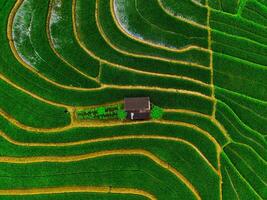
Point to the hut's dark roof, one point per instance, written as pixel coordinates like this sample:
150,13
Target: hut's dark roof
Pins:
136,103
138,116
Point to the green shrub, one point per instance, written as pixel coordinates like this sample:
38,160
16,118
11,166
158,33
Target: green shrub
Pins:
101,111
156,112
122,114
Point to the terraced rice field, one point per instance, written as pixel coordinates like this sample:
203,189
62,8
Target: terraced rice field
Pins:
203,62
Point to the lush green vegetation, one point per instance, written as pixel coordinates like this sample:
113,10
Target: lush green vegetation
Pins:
64,65
113,75
113,112
31,111
102,113
34,47
60,26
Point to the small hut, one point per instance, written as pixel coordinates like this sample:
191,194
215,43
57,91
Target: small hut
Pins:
137,108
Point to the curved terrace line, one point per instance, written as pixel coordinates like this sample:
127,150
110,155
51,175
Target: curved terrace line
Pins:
236,15
71,110
240,132
105,61
194,127
247,165
212,120
255,12
86,124
10,21
80,125
182,18
51,44
32,94
68,107
181,91
102,60
249,39
20,60
197,2
249,110
251,149
242,106
64,159
240,122
171,90
89,124
158,74
239,37
238,58
107,40
241,176
121,28
239,125
140,71
107,139
231,183
76,189
145,19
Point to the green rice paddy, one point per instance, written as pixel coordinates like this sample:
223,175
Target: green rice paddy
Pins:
66,64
